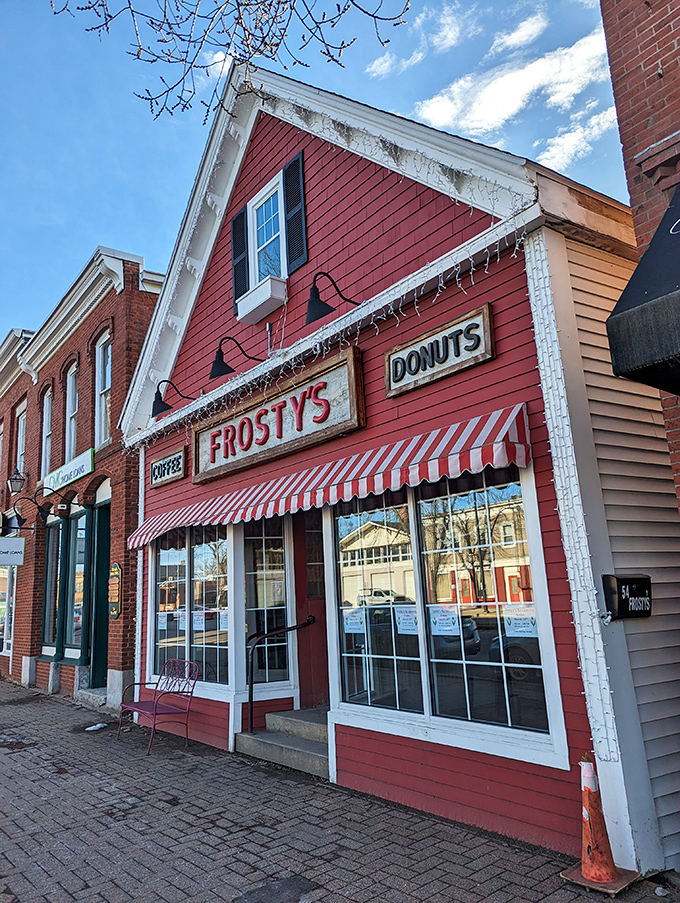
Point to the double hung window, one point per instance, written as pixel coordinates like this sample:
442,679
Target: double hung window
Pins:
269,242
449,630
71,412
46,450
102,422
20,437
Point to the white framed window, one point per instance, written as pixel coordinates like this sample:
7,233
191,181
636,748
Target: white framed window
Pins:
267,252
455,641
102,423
268,243
46,450
21,437
71,412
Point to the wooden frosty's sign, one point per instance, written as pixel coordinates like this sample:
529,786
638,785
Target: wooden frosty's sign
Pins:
326,400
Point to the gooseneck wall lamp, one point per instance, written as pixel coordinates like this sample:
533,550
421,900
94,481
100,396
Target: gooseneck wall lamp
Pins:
220,367
20,521
160,406
316,308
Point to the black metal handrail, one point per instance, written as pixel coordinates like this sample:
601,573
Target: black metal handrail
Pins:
259,638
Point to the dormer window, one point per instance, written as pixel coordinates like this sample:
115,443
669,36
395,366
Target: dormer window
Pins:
269,242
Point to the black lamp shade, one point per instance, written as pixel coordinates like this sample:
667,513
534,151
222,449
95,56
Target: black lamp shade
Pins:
316,308
220,367
159,406
16,481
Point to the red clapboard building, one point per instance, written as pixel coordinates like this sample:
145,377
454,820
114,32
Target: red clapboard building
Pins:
379,436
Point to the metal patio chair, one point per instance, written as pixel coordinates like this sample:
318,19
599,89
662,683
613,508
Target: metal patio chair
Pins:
171,699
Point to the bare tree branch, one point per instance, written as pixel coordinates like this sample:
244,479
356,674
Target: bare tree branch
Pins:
200,37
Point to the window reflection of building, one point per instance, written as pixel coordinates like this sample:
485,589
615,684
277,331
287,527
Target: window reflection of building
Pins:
476,602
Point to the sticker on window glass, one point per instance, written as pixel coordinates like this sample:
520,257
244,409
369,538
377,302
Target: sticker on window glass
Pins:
182,620
444,620
224,619
407,619
199,620
520,620
354,620
277,590
162,620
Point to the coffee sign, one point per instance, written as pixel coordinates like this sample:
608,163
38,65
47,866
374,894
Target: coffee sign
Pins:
168,468
325,401
455,346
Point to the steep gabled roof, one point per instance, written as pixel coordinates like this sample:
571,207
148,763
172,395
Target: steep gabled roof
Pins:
489,180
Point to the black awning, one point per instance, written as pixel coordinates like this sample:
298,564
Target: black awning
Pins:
644,327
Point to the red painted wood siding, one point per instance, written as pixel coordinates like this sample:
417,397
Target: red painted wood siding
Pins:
518,801
369,228
366,226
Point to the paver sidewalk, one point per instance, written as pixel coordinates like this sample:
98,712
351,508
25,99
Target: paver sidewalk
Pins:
83,817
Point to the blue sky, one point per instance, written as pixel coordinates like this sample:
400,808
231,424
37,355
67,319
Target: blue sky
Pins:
85,164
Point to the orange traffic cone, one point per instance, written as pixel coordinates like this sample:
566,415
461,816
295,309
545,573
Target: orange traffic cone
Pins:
596,869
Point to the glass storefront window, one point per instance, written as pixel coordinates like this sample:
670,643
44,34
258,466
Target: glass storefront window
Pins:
379,644
76,576
210,604
52,571
266,603
483,654
192,606
171,576
474,595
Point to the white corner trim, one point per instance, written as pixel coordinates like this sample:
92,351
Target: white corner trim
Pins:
139,593
571,514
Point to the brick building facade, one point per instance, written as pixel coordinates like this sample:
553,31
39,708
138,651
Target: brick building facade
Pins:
642,41
62,389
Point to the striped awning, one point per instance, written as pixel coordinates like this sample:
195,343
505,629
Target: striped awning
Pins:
495,439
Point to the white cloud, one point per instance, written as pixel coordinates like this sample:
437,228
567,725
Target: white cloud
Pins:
481,104
576,141
216,66
525,33
382,66
441,30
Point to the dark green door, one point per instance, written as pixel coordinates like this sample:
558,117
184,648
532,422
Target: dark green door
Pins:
100,596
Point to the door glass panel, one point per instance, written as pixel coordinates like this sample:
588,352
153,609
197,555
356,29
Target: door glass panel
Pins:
266,604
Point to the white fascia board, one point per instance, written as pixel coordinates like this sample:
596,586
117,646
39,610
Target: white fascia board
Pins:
485,178
464,171
103,271
475,252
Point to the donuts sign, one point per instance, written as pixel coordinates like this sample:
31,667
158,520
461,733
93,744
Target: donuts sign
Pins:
326,401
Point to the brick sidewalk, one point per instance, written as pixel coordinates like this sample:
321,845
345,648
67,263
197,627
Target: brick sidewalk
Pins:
86,818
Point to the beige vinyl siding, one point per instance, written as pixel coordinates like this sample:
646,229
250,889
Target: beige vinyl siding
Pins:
643,521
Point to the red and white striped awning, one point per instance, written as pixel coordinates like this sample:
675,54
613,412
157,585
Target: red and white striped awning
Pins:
495,439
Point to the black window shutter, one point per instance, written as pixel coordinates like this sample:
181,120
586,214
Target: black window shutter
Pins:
239,254
294,202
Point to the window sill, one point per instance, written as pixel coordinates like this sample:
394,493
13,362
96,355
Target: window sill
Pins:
103,445
506,742
262,300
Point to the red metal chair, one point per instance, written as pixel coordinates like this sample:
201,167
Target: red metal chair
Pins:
171,700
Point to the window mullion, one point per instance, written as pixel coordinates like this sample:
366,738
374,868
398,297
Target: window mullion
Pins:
414,522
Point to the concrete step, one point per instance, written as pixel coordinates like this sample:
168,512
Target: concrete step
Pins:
91,698
299,753
312,724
